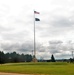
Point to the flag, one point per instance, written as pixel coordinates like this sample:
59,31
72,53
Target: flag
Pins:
36,12
37,19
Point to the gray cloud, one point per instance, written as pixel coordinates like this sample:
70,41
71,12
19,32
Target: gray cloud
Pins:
5,29
61,49
55,42
62,22
22,47
28,46
57,47
58,26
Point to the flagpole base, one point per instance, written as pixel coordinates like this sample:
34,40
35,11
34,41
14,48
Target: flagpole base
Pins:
34,59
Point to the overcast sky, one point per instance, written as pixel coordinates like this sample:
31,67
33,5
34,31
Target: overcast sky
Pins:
54,31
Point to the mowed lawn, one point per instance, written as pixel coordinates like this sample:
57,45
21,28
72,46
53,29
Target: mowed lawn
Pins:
45,68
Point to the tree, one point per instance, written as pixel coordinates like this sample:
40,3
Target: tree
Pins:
14,57
52,58
7,57
2,58
28,58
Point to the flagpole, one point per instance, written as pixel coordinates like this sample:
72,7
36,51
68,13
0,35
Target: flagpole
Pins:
34,39
35,19
34,57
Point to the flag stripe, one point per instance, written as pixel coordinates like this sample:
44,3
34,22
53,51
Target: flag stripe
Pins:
36,12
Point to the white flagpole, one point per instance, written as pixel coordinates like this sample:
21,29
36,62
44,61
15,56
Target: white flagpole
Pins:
34,39
34,58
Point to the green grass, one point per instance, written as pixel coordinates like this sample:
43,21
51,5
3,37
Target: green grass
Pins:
49,68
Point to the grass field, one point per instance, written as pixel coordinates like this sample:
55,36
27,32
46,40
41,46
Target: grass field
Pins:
49,68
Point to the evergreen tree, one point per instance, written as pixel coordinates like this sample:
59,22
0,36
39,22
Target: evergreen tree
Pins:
14,57
2,58
52,58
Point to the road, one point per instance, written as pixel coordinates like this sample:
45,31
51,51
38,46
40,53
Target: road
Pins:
1,73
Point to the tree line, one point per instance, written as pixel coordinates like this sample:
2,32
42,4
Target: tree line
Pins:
14,57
